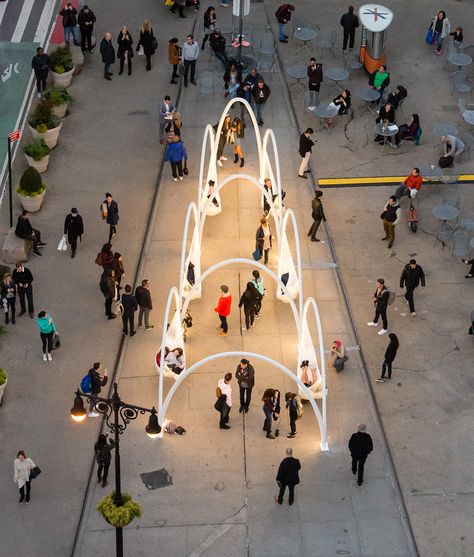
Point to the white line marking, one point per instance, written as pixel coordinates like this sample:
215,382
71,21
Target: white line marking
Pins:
3,9
43,24
22,21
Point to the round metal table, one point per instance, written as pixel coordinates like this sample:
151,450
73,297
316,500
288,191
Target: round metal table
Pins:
431,172
386,133
324,112
444,129
368,95
298,72
444,213
471,242
460,59
468,116
306,36
336,75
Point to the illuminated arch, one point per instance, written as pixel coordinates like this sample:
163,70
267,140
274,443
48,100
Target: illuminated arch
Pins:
193,255
286,262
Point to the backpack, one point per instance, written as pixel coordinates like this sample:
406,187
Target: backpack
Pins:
391,297
446,162
86,385
299,406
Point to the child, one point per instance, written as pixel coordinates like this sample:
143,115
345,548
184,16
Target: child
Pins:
457,38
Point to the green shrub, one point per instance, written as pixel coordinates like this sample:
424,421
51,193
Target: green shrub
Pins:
3,376
58,96
61,60
119,516
43,115
30,183
37,149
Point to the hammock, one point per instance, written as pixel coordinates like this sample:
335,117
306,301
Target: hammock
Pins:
306,352
193,259
174,339
286,266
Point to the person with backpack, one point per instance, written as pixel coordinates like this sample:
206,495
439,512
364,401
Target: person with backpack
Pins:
381,300
390,216
92,384
411,277
288,476
130,306
259,284
283,16
110,213
390,355
102,449
107,287
271,409
291,403
245,375
224,392
360,446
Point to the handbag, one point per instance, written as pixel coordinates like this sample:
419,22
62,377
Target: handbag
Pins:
118,309
257,254
185,168
56,342
429,36
140,51
219,404
154,43
35,472
383,215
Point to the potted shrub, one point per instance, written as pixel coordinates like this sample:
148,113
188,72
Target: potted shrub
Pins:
60,99
62,66
3,383
119,516
37,154
43,123
31,190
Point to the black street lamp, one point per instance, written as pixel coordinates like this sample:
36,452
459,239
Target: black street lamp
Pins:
117,415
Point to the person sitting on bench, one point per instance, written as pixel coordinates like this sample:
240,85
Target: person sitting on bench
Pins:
25,231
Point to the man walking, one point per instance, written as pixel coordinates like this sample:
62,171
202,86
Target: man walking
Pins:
411,277
283,15
306,144
288,476
380,299
260,94
166,110
74,229
23,279
107,287
390,217
107,52
360,446
317,212
190,54
40,65
98,380
180,4
110,213
25,231
69,14
143,296
245,375
217,42
130,305
349,22
86,22
226,390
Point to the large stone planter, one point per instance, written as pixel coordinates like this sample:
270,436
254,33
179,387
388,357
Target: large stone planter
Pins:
32,204
60,110
41,166
63,79
2,390
50,137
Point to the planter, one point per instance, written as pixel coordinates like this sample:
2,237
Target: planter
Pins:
2,389
50,137
63,79
60,110
41,165
32,204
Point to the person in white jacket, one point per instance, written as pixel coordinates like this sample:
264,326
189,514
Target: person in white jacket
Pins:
22,467
441,29
226,389
190,53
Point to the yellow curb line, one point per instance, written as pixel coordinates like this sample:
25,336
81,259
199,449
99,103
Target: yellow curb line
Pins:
377,180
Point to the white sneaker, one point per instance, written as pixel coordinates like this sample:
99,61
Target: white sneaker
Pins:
45,359
372,324
223,158
38,95
382,332
50,358
244,330
175,179
93,414
413,313
219,163
180,177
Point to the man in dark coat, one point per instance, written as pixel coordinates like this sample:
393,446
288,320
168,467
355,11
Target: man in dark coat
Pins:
317,212
306,144
25,231
23,279
107,51
110,214
260,94
380,298
74,228
349,22
69,14
411,277
288,476
98,380
107,287
245,375
40,65
130,306
217,42
360,445
283,15
86,22
143,296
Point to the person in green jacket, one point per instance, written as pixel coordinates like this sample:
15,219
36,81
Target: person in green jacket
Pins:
47,332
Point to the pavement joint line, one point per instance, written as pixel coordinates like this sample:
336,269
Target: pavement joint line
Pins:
404,517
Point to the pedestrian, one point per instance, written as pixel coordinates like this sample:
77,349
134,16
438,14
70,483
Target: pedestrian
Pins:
86,20
288,476
263,239
110,213
306,144
147,42
411,277
69,14
97,381
130,306
125,50
470,262
441,28
226,125
175,153
260,94
411,185
226,390
74,229
190,52
283,15
245,375
292,407
234,137
107,52
360,446
22,467
105,257
390,216
223,310
180,4
8,294
25,231
210,19
174,58
165,113
119,272
23,278
143,296
47,333
218,44
249,300
317,213
107,287
390,355
338,356
103,449
259,284
315,75
349,22
380,299
271,409
40,65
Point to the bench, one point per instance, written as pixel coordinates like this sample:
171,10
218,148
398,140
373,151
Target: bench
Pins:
15,250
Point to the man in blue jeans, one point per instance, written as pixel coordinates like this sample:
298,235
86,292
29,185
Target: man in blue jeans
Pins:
107,52
69,14
260,94
283,15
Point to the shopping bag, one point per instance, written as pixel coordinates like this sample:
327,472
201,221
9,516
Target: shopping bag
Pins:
257,255
62,246
429,37
140,51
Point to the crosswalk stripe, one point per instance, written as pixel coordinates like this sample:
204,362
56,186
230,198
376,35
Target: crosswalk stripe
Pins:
3,9
44,21
22,21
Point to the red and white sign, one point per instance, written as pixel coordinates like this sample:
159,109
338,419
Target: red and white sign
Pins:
14,136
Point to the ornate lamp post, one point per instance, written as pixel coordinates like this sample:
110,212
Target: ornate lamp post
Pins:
118,415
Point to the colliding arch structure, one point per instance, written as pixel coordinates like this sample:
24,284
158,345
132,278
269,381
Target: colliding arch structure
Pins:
310,367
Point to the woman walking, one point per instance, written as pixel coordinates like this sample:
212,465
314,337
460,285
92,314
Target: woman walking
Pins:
103,457
22,467
264,239
175,153
390,355
259,284
174,57
234,135
47,332
125,50
249,300
148,42
8,294
210,19
119,272
441,29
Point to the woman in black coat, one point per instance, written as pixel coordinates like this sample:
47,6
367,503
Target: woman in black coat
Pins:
249,300
390,355
147,42
387,112
103,457
263,238
125,50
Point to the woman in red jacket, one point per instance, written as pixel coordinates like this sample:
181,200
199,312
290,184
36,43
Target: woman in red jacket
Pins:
223,310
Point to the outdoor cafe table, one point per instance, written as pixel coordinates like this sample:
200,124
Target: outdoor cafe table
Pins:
460,59
368,95
336,75
324,112
444,129
298,72
444,213
387,132
304,35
